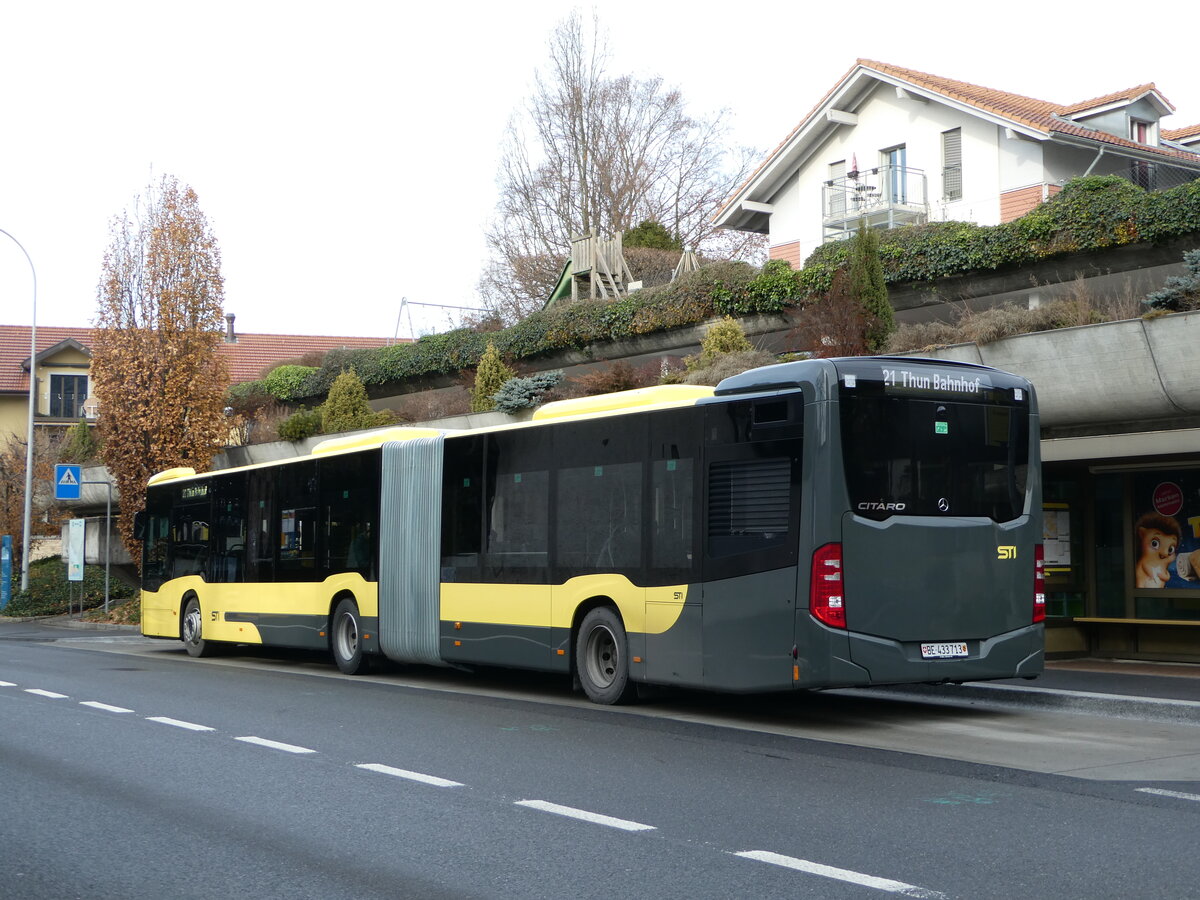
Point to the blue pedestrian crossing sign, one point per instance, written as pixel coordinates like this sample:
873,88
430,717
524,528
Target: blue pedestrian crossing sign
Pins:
68,482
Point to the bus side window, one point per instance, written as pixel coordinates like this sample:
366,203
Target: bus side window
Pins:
462,509
517,505
348,506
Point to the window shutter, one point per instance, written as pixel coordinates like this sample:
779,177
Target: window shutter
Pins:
952,164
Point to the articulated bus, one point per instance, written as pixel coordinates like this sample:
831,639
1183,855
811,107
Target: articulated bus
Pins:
812,524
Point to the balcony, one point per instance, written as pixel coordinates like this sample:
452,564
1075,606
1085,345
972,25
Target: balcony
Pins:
885,197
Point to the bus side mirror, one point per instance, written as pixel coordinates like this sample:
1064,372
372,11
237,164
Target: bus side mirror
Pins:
139,525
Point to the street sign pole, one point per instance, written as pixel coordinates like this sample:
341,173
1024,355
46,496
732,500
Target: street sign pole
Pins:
5,571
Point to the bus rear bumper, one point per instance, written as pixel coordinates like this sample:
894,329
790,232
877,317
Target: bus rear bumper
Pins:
1014,654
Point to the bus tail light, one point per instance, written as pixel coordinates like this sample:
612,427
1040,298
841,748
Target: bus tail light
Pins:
1039,583
826,600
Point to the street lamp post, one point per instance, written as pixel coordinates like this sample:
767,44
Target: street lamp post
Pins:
28,520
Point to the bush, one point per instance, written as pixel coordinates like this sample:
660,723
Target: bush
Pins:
303,423
618,376
1181,292
724,337
346,408
80,444
49,591
489,378
287,382
517,394
727,365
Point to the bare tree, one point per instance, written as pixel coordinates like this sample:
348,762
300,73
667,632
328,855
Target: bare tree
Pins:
155,367
593,152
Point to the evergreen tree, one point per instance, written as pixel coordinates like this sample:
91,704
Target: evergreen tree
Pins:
489,378
346,408
653,236
867,287
80,444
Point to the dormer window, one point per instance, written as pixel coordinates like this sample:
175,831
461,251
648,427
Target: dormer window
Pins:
1141,132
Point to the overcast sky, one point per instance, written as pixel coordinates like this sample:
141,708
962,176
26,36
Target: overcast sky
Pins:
345,154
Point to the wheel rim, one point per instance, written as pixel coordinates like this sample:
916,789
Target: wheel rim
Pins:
602,657
346,636
191,625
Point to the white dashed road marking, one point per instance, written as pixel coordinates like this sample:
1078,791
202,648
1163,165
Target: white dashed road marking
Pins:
812,868
275,745
1176,794
96,704
51,694
7,684
411,776
178,724
583,814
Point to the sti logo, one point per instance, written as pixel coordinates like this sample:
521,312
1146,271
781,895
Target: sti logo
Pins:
1006,552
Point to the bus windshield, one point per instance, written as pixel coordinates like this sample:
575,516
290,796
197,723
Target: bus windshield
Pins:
922,455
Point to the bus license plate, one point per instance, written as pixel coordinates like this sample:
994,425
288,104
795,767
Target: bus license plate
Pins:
943,651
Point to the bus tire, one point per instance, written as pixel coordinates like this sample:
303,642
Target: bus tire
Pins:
345,639
192,631
602,657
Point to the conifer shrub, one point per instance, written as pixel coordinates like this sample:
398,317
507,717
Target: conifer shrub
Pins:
519,393
489,378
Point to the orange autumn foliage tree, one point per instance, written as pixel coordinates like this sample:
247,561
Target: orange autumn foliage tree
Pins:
155,367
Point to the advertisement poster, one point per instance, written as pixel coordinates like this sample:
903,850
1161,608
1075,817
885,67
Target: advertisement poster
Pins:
1056,538
1166,530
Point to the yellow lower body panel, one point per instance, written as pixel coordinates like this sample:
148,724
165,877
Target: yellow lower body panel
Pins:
554,606
221,605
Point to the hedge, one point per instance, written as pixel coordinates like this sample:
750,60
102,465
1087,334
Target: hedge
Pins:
1088,214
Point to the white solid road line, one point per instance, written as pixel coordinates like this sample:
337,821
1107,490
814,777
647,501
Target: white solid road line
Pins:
274,745
178,724
96,704
583,814
1176,794
411,776
812,868
51,694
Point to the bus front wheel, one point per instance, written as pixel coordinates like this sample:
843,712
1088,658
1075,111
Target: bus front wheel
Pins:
192,631
601,657
346,638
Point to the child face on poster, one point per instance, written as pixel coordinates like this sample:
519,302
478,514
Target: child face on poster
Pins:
1157,541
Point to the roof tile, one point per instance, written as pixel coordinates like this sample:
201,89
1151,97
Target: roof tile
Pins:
247,357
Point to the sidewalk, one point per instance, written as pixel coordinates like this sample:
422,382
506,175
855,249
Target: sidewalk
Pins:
1121,688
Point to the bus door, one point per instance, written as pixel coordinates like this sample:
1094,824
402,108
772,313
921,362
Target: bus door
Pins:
937,546
752,484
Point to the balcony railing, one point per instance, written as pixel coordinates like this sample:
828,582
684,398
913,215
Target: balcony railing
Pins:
885,197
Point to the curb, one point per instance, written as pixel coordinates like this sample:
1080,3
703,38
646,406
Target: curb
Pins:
67,622
1121,706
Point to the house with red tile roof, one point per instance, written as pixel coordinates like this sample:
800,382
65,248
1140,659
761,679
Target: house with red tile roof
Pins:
63,361
896,146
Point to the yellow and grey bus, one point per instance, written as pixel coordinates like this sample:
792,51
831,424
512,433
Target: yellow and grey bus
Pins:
810,524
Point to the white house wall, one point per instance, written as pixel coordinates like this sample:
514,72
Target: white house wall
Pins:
1022,163
991,164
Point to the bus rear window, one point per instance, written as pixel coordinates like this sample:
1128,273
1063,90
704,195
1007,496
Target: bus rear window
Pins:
914,457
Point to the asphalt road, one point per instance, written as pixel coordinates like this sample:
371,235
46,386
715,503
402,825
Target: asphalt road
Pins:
132,770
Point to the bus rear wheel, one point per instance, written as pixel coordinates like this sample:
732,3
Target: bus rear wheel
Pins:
192,631
346,639
601,657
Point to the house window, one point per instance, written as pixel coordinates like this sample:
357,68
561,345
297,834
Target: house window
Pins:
952,164
895,174
67,393
1141,173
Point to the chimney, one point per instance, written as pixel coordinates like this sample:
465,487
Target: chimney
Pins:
230,337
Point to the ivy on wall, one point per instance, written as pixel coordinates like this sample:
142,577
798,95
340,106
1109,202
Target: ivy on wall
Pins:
1088,214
